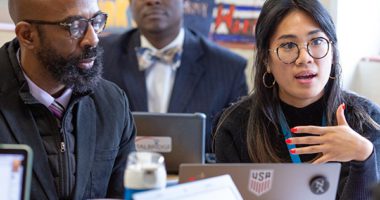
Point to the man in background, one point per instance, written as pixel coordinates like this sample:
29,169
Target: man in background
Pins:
53,99
164,67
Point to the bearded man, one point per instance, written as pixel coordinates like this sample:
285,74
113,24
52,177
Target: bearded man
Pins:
52,98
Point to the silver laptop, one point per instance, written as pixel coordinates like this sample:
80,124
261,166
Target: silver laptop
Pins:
15,170
272,181
179,137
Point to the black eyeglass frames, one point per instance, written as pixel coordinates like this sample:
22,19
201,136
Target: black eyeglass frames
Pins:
78,26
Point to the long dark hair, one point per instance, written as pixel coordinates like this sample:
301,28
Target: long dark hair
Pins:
265,101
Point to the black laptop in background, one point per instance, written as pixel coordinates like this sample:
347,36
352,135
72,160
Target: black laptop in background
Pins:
179,137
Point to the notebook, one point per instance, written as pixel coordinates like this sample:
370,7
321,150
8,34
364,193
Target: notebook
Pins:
179,137
272,181
15,170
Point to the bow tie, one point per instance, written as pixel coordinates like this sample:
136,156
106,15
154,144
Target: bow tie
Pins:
146,58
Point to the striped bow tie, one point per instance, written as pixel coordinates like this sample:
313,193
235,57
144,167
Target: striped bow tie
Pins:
147,58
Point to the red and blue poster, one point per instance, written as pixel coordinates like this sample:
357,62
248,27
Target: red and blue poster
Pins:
234,23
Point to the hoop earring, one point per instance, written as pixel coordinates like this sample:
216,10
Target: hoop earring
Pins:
264,82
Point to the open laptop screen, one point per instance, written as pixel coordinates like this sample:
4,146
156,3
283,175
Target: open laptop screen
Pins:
15,164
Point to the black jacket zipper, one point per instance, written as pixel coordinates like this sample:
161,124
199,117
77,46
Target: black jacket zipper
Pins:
65,182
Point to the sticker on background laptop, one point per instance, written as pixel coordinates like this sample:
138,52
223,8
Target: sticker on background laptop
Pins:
155,144
260,181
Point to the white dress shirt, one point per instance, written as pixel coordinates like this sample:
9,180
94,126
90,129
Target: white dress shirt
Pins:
160,77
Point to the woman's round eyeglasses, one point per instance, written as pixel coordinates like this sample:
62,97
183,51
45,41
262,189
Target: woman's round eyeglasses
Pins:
289,52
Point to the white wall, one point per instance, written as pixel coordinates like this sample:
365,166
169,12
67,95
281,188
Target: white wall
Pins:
6,25
331,6
358,29
6,36
367,79
6,33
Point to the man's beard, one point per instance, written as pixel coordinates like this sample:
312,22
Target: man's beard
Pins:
67,70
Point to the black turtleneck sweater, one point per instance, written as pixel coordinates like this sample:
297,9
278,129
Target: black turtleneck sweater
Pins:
309,115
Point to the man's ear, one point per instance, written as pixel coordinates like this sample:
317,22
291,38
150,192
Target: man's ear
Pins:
26,34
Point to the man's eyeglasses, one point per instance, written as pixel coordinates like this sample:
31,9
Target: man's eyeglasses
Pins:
78,26
289,52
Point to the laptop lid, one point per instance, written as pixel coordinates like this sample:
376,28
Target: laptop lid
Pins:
272,181
179,137
15,170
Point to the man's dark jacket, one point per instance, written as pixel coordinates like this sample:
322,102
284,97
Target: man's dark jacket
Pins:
100,121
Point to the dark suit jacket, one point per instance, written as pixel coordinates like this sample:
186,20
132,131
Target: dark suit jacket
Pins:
208,79
103,127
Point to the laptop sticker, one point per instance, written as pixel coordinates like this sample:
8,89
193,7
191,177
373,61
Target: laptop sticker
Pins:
260,181
155,144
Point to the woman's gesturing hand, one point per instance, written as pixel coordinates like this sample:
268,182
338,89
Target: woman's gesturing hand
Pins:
336,143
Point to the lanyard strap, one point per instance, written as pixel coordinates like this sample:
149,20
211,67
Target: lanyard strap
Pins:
287,134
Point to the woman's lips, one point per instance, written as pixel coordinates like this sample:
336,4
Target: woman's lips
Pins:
305,77
310,76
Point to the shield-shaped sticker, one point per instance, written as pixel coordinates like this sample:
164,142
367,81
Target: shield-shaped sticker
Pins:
260,181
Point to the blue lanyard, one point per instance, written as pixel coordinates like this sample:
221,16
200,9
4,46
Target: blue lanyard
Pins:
286,131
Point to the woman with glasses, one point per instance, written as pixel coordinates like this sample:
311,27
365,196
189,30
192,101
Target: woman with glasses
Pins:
298,111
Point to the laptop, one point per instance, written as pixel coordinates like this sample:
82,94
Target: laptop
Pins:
272,181
179,137
15,170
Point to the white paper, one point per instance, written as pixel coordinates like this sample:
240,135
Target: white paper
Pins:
220,187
